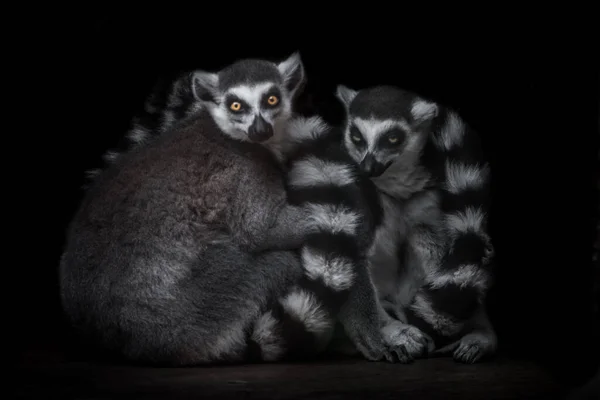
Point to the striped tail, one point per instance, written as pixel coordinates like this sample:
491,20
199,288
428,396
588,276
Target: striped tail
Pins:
455,289
325,180
167,104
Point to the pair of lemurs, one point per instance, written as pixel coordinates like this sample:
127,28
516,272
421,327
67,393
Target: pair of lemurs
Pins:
234,230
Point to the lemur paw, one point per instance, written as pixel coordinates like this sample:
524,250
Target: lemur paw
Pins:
472,348
373,348
408,342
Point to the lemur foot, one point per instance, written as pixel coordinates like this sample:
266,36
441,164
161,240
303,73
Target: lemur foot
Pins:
472,348
374,347
407,341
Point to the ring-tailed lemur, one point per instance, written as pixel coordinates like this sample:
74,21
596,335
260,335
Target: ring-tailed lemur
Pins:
426,160
168,103
165,108
183,251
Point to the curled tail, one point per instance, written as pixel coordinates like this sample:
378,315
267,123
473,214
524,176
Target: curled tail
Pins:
297,326
168,103
454,290
322,178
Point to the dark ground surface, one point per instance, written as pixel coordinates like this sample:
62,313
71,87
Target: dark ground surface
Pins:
51,375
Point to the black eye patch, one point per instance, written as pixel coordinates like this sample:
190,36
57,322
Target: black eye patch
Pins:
356,137
236,105
392,138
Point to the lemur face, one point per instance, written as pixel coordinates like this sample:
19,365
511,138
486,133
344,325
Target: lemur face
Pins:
251,99
384,126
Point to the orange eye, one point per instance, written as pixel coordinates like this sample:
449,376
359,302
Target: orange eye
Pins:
272,100
235,106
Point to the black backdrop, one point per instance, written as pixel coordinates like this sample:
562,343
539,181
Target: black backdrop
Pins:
529,95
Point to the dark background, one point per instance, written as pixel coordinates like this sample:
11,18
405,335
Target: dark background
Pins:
531,92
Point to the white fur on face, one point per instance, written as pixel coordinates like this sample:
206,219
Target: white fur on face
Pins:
252,95
371,130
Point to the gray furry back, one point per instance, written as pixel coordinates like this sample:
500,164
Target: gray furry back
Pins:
250,102
156,237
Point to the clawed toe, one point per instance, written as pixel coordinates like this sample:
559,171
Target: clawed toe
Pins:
398,354
426,344
403,356
468,354
407,342
390,357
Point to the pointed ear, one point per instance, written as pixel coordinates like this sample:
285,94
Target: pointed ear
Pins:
345,95
204,85
292,70
423,112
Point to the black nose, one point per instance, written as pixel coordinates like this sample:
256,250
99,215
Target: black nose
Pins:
260,130
372,167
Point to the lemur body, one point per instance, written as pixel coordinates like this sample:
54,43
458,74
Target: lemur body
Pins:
409,181
184,252
427,161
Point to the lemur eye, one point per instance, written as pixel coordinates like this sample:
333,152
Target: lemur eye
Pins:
272,100
235,106
355,138
395,136
355,135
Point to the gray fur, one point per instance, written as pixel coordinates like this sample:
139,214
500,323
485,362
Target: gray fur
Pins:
250,82
414,219
212,91
479,341
199,90
173,193
156,238
396,288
